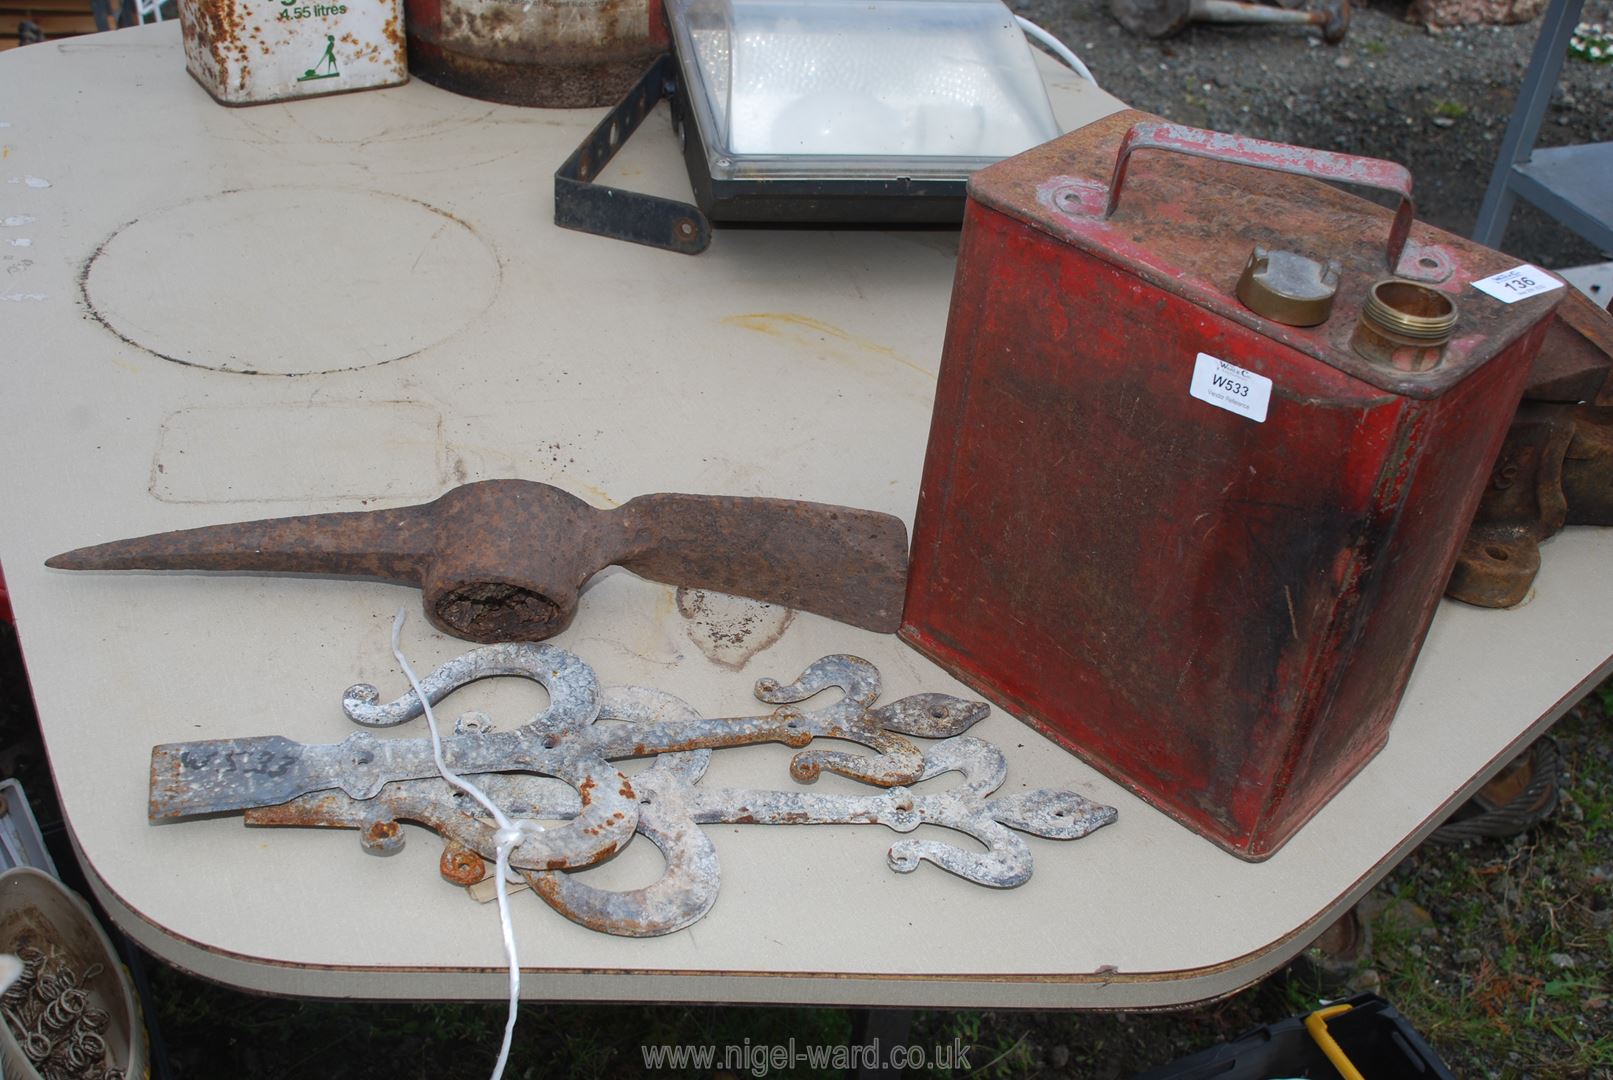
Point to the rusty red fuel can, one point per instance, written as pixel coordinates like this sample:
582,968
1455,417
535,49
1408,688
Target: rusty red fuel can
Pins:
1207,437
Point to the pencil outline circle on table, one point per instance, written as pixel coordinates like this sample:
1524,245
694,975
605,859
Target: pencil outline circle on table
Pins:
254,303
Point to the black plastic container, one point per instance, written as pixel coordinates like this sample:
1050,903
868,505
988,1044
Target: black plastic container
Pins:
1377,1040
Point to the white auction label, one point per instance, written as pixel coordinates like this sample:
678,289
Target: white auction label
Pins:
1230,387
1516,284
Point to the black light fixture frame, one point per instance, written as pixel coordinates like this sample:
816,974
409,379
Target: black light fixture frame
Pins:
581,204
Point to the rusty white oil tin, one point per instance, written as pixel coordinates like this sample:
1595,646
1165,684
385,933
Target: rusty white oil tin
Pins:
245,52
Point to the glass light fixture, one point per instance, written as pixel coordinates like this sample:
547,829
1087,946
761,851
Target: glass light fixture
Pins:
826,111
815,89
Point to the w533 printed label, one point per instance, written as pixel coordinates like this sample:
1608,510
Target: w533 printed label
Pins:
1229,387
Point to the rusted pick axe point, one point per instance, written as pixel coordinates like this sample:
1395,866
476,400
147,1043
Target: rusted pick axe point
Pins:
505,560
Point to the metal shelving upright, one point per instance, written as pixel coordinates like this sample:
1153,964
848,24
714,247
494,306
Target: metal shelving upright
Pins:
1574,184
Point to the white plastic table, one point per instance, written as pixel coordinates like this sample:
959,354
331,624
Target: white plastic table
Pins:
212,314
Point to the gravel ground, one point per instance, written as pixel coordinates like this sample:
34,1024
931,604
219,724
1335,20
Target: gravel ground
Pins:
1438,102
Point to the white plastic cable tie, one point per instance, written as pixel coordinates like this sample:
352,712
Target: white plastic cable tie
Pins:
506,839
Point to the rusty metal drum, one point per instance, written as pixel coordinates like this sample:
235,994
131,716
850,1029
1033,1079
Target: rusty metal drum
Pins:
1196,542
563,54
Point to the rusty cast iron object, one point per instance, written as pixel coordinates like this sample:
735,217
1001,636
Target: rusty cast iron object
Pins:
1556,466
536,773
505,560
1576,361
1555,469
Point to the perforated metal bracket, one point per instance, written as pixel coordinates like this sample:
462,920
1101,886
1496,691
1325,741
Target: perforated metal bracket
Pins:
581,204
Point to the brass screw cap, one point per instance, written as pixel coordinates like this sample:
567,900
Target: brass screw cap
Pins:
1288,288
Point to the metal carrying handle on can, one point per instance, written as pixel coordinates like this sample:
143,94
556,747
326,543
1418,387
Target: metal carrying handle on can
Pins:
1280,157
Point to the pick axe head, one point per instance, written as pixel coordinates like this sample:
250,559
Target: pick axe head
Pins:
505,560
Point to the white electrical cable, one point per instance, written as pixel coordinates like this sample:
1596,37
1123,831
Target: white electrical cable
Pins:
1057,48
506,839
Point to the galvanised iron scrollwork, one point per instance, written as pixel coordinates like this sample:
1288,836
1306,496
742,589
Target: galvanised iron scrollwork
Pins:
557,767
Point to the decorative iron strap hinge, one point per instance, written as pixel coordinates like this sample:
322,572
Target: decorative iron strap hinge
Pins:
558,768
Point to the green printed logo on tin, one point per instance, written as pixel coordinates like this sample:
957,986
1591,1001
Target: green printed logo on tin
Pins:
326,68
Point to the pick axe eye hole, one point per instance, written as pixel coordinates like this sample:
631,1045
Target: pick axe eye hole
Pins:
499,611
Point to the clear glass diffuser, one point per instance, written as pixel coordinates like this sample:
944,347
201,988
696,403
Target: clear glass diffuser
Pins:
858,89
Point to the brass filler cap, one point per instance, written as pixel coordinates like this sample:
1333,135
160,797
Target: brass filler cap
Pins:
1288,288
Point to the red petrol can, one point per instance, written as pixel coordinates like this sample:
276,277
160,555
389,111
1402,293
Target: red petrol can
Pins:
1191,541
